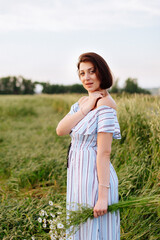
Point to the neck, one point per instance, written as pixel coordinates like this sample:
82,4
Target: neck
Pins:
103,91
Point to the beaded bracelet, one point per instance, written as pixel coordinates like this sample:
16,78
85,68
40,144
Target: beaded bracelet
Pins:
107,186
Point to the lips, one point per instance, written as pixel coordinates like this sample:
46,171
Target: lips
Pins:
89,84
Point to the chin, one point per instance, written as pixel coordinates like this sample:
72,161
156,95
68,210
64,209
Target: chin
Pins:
92,89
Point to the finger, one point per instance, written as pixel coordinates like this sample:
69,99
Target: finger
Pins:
95,214
103,213
99,213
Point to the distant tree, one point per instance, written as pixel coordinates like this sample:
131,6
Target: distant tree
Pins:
9,85
20,85
131,86
115,88
144,91
77,88
5,85
27,87
16,85
55,88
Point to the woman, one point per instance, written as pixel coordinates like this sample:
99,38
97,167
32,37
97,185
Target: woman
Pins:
91,123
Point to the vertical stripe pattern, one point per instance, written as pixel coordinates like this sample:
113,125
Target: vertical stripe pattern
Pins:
82,179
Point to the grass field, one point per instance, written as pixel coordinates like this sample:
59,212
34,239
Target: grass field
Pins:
33,162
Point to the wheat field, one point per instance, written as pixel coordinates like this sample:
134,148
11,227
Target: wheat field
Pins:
33,162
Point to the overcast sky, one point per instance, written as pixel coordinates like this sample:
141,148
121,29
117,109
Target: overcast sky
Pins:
42,39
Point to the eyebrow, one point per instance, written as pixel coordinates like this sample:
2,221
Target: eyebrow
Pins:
87,69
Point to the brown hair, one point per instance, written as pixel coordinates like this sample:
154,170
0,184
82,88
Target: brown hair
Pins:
101,67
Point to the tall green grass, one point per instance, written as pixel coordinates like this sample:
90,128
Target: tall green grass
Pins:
33,161
137,160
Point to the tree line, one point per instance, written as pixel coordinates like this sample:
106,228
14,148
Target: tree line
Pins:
20,85
16,85
130,86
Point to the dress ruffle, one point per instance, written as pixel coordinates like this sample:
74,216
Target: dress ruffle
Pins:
108,122
74,108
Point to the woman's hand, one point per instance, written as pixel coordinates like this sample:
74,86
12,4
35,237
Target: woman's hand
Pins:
90,102
100,208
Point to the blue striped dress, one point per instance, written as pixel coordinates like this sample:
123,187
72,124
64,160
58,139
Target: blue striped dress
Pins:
82,179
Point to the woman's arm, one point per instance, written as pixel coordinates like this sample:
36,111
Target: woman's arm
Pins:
104,141
69,121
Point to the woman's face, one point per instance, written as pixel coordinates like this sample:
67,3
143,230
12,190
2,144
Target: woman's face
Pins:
88,77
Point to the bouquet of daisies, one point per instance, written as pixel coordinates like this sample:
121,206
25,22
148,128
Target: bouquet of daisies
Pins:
58,220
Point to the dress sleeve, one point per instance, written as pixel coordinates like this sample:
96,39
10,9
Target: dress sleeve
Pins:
108,122
74,108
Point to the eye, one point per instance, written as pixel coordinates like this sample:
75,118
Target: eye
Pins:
81,73
92,71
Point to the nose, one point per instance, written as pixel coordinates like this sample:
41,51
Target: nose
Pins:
87,77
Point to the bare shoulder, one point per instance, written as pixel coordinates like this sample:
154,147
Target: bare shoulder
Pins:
108,101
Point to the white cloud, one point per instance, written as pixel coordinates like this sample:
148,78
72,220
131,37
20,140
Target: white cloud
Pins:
60,15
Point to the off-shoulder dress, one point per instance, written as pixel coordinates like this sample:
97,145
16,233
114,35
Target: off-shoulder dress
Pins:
82,179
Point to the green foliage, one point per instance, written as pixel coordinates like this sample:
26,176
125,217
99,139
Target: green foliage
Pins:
16,111
136,160
115,88
130,86
20,85
33,161
76,88
19,218
61,106
144,205
55,88
16,85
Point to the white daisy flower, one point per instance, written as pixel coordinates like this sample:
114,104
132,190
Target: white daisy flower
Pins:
59,212
33,238
52,237
46,213
41,213
44,220
51,226
50,221
39,220
60,225
50,203
50,232
52,215
44,225
70,238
